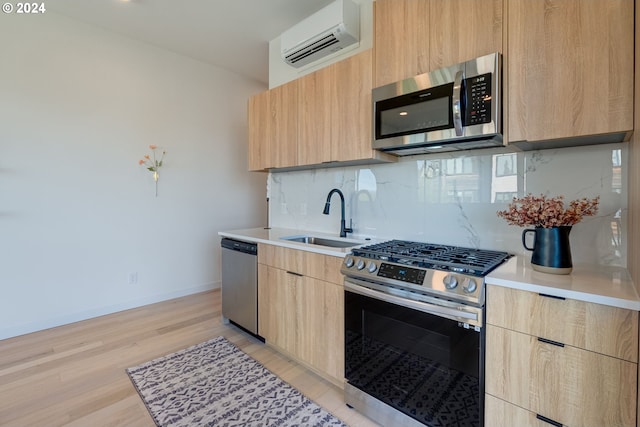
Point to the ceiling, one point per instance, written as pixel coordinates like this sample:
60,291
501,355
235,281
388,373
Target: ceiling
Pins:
232,34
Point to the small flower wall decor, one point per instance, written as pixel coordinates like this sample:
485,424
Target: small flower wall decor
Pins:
547,212
152,164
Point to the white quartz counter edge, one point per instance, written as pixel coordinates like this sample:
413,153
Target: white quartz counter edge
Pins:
273,236
610,286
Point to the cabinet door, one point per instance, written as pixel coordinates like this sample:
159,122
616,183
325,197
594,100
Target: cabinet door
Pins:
322,327
258,118
401,34
571,386
283,150
460,30
279,307
314,120
351,108
416,36
570,68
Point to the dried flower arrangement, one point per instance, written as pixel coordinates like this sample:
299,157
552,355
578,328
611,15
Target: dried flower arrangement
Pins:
540,211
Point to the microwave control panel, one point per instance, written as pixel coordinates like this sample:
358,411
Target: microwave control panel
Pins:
478,97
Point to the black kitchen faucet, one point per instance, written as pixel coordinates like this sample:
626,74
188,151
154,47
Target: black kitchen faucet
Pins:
343,229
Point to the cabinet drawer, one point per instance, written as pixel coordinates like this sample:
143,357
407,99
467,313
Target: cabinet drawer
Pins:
311,264
595,327
566,384
498,413
323,267
281,257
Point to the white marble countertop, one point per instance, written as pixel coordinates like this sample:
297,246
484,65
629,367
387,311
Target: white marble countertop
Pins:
273,236
591,283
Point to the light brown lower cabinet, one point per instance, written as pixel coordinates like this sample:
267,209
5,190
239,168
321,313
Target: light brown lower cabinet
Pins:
277,302
551,360
322,333
300,312
599,328
568,385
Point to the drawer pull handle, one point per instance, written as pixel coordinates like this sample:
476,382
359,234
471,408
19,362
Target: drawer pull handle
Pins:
546,341
552,296
295,274
548,420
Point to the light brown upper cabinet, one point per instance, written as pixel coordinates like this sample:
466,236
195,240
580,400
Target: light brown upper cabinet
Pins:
334,115
351,111
284,125
460,30
401,39
273,126
259,124
323,118
569,70
314,118
416,36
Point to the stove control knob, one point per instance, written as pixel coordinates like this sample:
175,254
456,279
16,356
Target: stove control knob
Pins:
372,267
360,264
469,285
450,281
348,262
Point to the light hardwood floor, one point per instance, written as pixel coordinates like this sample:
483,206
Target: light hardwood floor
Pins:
74,375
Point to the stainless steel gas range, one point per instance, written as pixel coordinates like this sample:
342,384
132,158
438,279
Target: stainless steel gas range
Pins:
414,332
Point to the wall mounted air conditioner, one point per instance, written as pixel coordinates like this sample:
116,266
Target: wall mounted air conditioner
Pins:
327,31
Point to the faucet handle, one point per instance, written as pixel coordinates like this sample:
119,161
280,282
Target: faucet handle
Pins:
350,228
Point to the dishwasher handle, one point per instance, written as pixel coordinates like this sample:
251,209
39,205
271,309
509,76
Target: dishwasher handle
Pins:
239,246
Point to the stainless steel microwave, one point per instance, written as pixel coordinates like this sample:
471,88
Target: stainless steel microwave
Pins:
453,108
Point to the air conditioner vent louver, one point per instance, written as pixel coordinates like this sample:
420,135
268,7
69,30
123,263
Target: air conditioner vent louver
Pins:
326,31
306,51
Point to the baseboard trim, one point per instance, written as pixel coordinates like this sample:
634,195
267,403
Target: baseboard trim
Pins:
102,311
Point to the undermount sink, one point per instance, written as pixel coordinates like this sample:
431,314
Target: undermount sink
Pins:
321,241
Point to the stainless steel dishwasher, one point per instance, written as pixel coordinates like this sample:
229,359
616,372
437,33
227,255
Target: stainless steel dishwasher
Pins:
240,283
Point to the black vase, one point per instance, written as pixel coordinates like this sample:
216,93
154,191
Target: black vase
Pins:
551,249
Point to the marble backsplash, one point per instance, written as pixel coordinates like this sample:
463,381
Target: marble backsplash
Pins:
452,198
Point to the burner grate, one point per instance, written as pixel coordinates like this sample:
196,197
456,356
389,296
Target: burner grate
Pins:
442,257
479,260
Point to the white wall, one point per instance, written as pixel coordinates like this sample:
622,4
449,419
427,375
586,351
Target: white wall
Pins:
78,108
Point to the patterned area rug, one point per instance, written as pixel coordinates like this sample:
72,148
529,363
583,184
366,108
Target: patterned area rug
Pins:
217,384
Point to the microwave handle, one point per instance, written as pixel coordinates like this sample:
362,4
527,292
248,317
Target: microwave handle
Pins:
456,102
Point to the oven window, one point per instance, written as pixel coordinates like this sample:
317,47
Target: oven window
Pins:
416,112
420,117
423,365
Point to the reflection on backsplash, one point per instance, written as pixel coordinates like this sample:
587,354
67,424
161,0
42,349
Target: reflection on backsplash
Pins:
452,198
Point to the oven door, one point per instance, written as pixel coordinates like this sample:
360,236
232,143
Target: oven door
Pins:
411,359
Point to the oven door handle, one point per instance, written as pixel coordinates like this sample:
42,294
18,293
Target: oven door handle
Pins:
456,102
448,312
